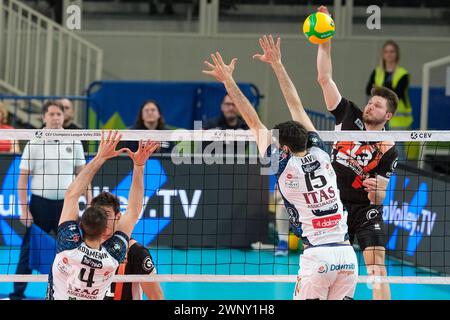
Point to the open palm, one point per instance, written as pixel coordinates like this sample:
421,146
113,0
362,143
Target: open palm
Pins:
272,52
107,148
143,152
219,69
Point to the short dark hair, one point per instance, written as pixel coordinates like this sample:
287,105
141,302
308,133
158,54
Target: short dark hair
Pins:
389,95
52,103
107,199
94,222
292,134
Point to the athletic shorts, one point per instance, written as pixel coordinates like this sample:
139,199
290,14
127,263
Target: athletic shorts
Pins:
328,272
365,222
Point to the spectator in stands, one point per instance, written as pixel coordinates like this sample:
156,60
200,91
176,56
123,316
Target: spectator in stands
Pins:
6,145
68,119
68,114
391,75
229,119
149,118
51,164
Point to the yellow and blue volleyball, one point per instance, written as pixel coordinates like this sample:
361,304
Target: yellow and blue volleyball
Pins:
318,27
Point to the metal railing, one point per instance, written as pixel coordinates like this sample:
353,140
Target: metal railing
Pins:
40,57
26,111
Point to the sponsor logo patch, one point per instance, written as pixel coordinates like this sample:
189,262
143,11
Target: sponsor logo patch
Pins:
147,265
326,222
292,184
93,263
308,168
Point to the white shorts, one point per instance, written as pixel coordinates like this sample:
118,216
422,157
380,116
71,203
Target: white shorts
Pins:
327,273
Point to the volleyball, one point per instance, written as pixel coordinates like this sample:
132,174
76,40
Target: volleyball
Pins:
293,242
318,28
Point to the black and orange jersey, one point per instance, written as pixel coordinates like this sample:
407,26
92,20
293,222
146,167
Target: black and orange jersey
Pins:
138,262
355,161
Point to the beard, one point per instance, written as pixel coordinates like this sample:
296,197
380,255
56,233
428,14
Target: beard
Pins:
231,117
371,120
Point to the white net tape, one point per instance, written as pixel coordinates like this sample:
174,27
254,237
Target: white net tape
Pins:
217,135
235,278
226,135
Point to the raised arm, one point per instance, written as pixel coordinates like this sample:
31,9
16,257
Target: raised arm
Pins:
107,150
325,72
136,194
224,73
88,191
272,56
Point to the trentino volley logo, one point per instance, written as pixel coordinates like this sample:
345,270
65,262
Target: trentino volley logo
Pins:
411,216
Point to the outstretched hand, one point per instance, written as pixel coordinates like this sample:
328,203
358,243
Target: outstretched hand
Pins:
219,69
143,152
107,148
272,52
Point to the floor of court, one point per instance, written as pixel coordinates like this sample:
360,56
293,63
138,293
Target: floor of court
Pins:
237,262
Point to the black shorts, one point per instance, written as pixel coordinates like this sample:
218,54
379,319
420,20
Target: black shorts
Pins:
365,222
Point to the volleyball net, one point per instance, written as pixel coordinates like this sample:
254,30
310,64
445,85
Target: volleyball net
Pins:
210,204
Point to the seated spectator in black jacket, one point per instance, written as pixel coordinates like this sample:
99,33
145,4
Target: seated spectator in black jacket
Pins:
229,119
150,118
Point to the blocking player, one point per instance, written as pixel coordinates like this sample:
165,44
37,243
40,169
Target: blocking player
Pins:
84,265
138,259
307,183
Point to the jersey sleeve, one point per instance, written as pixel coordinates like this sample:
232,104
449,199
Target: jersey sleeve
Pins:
140,260
117,246
388,163
68,236
79,154
344,110
25,163
314,141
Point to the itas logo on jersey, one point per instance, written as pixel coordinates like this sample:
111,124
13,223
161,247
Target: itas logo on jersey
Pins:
320,198
96,264
327,222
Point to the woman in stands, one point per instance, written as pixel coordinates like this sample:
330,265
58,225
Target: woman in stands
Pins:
150,118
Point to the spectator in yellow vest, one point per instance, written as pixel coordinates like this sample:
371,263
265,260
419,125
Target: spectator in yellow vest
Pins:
390,75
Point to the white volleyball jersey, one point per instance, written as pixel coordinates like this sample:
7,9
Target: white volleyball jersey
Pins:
310,193
80,272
